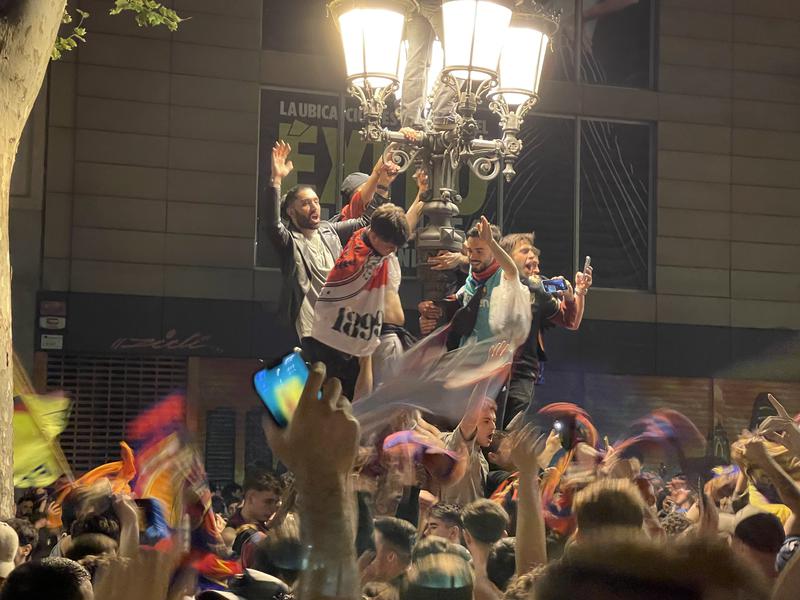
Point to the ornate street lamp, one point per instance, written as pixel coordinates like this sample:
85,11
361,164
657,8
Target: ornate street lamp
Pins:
493,51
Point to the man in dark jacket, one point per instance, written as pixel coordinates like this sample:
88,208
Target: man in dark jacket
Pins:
307,249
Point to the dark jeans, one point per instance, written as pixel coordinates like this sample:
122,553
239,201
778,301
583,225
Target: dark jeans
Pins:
520,397
337,364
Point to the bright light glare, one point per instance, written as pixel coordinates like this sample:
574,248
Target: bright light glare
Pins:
521,62
435,68
371,38
474,32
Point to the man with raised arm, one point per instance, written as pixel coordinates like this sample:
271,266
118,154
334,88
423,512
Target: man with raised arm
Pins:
308,247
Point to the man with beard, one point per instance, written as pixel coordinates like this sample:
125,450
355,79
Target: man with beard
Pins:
493,278
308,247
547,310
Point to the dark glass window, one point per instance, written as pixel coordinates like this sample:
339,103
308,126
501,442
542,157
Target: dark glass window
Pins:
220,451
541,197
615,191
298,26
616,42
614,45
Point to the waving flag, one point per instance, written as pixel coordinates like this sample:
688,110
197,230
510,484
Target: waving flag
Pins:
38,421
348,314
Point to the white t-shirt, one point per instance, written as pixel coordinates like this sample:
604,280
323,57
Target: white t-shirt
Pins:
320,261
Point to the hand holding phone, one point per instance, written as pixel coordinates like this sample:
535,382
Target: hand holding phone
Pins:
552,286
583,279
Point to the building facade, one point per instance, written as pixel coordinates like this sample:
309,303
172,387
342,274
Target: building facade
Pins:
666,145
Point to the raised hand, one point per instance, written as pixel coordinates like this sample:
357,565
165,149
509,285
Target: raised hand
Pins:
421,177
387,172
317,461
485,230
281,167
781,429
583,281
526,447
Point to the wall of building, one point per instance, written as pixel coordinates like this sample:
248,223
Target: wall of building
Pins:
151,177
142,223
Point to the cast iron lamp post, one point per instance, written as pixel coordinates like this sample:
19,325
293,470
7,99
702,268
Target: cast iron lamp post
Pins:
494,52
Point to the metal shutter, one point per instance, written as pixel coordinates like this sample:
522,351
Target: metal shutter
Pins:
107,393
220,445
256,449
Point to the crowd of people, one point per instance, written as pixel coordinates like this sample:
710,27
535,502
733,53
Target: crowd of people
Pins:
509,500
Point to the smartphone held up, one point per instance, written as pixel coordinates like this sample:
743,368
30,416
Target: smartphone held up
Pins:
280,386
552,286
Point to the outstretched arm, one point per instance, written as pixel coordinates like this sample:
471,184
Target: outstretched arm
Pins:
506,263
382,176
414,212
270,223
322,480
531,547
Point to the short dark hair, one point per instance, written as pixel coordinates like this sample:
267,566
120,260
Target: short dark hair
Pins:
90,544
449,513
390,224
762,532
292,195
51,578
229,490
501,565
262,481
496,233
398,533
71,506
26,532
37,515
102,523
485,520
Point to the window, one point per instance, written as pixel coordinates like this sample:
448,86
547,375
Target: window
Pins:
541,197
256,449
615,45
220,454
584,186
615,191
298,26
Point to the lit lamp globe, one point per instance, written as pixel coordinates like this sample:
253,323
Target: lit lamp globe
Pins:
474,31
522,58
372,33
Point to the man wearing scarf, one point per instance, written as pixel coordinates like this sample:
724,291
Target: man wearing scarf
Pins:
493,302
